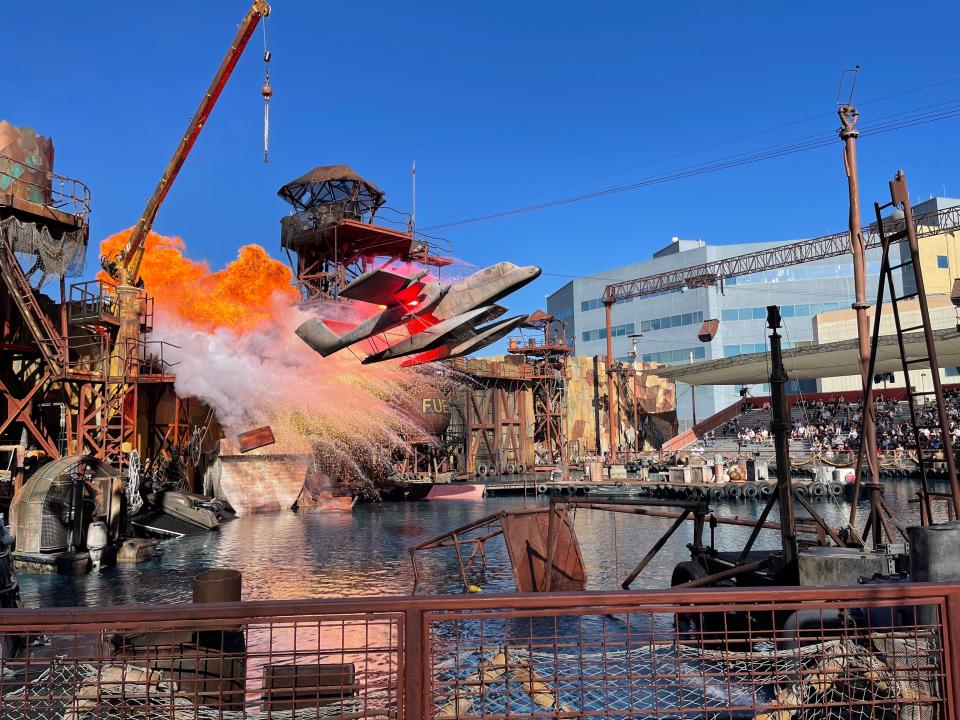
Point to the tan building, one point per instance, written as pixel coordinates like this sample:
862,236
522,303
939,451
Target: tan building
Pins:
940,265
839,325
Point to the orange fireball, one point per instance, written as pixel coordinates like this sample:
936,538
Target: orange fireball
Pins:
245,295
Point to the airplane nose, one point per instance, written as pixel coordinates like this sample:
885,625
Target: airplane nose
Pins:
533,271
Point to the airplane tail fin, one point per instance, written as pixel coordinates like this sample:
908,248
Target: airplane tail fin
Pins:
319,337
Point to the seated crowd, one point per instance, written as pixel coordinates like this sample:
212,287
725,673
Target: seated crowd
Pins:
834,425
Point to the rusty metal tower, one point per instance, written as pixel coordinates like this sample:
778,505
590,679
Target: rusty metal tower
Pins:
59,381
546,358
340,228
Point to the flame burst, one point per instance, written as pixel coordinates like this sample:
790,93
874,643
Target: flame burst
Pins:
236,351
247,294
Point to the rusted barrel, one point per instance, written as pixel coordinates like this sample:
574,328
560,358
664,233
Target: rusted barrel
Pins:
217,585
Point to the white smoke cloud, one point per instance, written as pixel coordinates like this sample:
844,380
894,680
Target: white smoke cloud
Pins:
350,415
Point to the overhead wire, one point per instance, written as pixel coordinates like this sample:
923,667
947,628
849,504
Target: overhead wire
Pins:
762,131
895,121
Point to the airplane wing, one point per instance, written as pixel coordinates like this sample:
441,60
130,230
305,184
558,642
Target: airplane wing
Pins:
381,287
469,341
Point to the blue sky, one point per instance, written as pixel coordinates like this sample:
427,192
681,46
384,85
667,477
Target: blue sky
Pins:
500,104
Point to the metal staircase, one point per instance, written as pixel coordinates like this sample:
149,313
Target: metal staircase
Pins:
51,343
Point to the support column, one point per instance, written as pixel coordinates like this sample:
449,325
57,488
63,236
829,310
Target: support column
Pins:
781,438
848,133
611,400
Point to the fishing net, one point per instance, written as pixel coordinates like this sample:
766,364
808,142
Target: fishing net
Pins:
895,678
41,255
892,676
86,692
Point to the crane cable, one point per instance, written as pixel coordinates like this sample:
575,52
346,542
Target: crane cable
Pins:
267,92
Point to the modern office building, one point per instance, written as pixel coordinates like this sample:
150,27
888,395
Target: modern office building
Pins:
668,324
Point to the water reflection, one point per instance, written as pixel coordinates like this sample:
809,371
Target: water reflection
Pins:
313,555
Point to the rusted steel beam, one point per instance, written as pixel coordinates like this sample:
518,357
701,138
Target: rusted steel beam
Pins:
725,574
85,619
651,553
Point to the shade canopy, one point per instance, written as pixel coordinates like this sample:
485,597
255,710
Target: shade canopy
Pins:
836,359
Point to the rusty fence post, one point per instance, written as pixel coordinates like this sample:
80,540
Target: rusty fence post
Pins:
950,627
415,675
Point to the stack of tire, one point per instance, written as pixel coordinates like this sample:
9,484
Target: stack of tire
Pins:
490,469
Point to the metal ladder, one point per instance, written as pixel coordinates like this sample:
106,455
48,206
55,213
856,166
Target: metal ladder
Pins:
899,197
49,341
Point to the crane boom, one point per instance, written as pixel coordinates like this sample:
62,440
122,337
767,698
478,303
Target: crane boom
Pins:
127,267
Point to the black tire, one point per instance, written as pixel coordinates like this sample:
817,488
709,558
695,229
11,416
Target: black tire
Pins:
836,489
817,489
767,489
541,489
493,470
733,491
750,491
521,468
716,493
800,490
482,470
509,469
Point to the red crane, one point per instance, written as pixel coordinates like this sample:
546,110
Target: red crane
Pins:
125,269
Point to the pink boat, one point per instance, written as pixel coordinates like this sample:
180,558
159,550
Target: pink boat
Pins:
458,491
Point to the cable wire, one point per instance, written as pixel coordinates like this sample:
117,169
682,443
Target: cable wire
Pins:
897,121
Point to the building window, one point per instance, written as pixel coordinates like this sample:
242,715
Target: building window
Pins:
786,311
695,318
942,262
601,334
675,356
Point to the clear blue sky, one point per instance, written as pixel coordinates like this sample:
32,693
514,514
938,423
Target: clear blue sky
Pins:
500,103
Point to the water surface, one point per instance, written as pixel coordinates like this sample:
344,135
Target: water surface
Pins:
323,555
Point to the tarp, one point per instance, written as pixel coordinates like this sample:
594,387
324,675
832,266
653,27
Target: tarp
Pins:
836,359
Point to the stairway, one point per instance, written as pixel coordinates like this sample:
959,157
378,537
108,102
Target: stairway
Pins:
51,343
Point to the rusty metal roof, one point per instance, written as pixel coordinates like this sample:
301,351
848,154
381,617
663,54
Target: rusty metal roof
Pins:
327,184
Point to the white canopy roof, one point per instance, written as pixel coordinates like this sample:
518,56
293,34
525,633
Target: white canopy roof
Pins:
817,361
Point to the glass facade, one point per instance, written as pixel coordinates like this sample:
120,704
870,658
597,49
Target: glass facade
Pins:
601,334
675,356
672,321
786,311
801,272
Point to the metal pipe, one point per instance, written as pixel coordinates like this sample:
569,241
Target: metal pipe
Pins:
848,133
781,427
725,574
628,581
551,541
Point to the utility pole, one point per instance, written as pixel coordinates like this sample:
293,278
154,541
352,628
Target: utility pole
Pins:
848,133
611,400
781,425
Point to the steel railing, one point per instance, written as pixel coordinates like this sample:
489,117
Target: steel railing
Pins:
873,651
61,193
